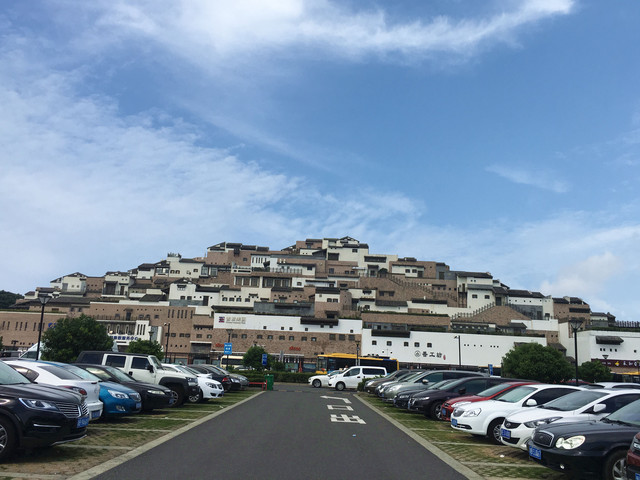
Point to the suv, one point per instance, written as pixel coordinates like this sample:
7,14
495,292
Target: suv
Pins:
37,415
146,368
351,377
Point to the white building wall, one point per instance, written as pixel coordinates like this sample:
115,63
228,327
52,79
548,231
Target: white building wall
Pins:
282,323
442,348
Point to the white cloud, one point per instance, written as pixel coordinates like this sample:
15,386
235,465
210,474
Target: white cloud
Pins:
539,178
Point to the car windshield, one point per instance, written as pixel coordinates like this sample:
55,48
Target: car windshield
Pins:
573,401
491,391
82,373
412,377
8,376
515,395
442,384
119,374
60,372
629,414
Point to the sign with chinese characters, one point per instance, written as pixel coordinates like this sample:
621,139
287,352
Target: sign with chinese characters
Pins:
232,319
426,354
619,363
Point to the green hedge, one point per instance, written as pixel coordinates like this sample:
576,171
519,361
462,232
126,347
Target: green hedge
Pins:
285,377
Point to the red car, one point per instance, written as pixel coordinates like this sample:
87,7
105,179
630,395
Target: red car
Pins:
490,393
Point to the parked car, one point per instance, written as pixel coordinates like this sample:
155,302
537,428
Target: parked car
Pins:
422,381
429,402
117,399
152,396
225,380
485,418
34,415
318,381
624,385
595,449
591,404
633,459
145,368
352,376
209,388
43,373
370,385
488,394
244,381
401,400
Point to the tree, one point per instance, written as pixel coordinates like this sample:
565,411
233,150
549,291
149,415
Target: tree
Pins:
7,298
532,361
253,358
69,336
148,347
594,371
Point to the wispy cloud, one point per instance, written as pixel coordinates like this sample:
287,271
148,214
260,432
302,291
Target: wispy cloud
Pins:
539,178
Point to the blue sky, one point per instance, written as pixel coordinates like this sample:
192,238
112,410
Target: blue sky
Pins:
499,136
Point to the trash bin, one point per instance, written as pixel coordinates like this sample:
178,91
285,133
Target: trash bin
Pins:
269,380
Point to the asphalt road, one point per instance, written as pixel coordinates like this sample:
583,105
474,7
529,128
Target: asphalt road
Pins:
290,433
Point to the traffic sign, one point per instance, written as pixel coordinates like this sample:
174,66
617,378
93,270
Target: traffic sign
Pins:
228,348
264,359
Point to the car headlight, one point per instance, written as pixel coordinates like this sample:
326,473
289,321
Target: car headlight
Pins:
117,394
155,392
472,413
192,380
212,385
459,404
38,404
571,442
542,421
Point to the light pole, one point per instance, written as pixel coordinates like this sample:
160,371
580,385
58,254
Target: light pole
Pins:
166,345
459,352
357,353
576,323
44,299
229,330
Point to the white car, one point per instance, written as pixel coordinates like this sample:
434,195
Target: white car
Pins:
350,377
318,381
209,388
485,418
48,374
592,404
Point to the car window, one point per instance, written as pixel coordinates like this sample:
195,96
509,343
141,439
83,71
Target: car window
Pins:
436,377
81,372
372,371
60,372
115,360
574,400
139,363
474,386
98,372
628,414
615,403
489,392
516,394
352,372
14,374
119,374
548,394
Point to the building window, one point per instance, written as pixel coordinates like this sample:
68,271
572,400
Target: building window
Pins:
388,343
374,342
342,337
332,336
428,345
406,344
314,339
244,335
259,337
269,337
291,337
416,344
280,337
303,339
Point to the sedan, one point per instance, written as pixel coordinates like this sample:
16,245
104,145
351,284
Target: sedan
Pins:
318,381
208,387
152,395
574,407
229,383
44,373
594,449
34,415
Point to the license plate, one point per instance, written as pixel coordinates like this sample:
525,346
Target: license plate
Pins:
138,405
444,412
82,422
454,422
637,476
536,453
95,414
505,433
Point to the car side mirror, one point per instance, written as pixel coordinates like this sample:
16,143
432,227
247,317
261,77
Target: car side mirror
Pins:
530,403
600,407
150,368
425,381
462,391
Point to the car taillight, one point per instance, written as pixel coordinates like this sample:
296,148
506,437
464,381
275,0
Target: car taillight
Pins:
225,379
79,390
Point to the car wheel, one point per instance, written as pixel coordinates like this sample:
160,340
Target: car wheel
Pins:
493,432
316,383
340,386
178,395
435,410
7,438
195,398
615,466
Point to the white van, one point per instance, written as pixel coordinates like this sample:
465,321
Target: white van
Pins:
351,377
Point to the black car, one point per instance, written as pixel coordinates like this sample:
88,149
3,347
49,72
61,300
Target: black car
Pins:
225,379
595,449
34,415
430,401
370,385
153,396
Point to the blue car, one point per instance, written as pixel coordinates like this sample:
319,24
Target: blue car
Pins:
117,399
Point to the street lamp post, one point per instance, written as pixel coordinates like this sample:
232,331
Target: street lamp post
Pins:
229,330
166,344
459,352
357,353
44,299
576,323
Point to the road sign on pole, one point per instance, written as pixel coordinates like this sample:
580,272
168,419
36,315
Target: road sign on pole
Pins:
264,359
228,348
